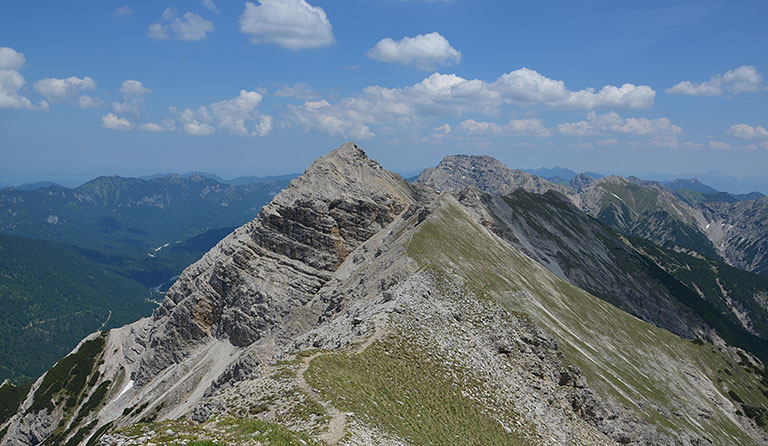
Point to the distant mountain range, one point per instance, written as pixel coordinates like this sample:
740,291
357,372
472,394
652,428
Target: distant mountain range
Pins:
127,222
238,181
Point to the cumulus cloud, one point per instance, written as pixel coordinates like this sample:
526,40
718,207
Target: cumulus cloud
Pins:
533,127
323,117
211,6
424,51
123,11
611,122
68,90
528,86
739,80
441,95
12,82
112,122
133,98
11,59
746,131
237,116
292,24
189,27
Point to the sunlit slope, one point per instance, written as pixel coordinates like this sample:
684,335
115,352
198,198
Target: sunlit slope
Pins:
675,384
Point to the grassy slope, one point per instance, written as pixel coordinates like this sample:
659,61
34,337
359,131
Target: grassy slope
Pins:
401,389
51,298
623,357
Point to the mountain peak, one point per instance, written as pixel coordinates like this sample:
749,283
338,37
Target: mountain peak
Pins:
490,175
348,150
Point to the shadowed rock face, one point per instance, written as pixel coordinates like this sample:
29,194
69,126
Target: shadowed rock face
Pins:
244,288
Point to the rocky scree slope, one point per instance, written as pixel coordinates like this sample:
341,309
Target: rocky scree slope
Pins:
360,309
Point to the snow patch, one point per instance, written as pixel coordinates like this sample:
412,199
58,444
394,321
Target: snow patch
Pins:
128,387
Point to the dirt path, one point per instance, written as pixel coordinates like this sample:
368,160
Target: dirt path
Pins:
338,424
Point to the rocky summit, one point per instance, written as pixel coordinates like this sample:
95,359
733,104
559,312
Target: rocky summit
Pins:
360,309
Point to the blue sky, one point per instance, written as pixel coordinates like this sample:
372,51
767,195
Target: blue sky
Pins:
265,87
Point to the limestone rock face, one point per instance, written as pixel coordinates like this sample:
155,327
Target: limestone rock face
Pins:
244,288
487,174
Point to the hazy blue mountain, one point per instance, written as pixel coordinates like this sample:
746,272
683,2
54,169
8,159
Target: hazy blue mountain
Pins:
35,186
239,181
552,172
692,184
211,176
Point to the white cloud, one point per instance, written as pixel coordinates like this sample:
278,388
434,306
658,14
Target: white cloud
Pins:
292,24
123,11
746,131
151,127
11,82
196,122
133,98
739,80
237,116
298,90
11,59
719,145
211,6
443,129
441,95
424,51
528,86
611,122
165,125
112,122
189,27
86,101
323,117
533,127
68,90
